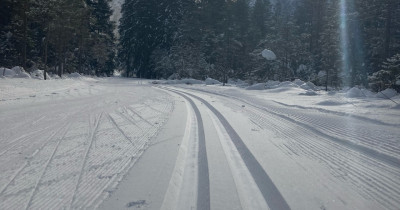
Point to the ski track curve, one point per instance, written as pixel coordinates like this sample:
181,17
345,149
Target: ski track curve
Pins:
203,194
269,191
374,178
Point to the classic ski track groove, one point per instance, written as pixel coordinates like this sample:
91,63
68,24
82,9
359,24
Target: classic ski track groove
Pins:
203,194
368,176
367,150
267,188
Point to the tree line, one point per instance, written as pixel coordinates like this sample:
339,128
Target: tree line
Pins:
60,36
330,42
224,39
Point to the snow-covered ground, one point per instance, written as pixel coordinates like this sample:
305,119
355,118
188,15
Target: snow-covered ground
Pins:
66,143
130,144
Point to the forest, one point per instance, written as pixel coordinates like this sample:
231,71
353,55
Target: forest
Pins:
333,43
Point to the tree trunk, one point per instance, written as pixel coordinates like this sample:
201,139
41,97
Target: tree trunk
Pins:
25,25
389,16
45,59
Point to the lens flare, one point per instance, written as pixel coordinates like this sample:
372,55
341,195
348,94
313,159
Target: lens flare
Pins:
344,42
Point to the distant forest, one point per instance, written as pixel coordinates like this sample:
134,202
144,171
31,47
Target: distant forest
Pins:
329,42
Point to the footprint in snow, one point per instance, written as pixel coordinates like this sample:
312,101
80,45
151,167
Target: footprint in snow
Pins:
137,204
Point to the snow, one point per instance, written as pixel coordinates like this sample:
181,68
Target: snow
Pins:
296,140
354,93
210,81
387,93
74,75
258,86
39,74
268,54
187,81
69,143
16,72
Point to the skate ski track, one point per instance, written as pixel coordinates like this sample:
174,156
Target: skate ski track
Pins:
79,164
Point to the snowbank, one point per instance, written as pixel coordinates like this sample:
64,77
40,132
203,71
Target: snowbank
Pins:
210,81
185,81
258,86
39,74
356,92
309,86
5,72
16,72
272,84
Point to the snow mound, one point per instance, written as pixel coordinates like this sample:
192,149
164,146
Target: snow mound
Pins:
39,74
388,93
272,84
299,82
210,81
74,75
16,72
309,86
287,84
268,54
258,86
355,92
5,72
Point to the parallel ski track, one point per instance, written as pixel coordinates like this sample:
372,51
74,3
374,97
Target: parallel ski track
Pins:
335,134
378,180
203,195
268,189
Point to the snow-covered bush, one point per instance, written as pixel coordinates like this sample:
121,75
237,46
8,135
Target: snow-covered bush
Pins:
387,77
379,80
